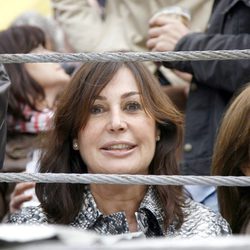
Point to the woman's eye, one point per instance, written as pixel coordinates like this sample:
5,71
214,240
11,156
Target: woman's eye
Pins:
96,110
133,106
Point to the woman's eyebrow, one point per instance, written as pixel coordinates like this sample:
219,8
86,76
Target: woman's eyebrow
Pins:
99,97
125,95
128,94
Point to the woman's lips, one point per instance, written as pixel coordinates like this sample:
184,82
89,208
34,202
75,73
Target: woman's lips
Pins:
118,149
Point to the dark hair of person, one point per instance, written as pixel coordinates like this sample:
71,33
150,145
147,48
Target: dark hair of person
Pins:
231,154
62,202
23,90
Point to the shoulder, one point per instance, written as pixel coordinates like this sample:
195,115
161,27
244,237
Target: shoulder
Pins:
28,215
202,221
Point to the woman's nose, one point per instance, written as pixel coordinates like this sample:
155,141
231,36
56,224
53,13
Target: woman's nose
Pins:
117,122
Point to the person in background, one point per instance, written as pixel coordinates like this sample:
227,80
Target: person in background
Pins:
114,119
213,82
33,94
232,158
111,25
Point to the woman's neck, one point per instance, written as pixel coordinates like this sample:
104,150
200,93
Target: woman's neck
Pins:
51,94
116,198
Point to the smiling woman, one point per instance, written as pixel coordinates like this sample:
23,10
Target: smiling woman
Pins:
114,134
115,119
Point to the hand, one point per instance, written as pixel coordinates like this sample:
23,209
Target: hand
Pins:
183,75
164,33
18,197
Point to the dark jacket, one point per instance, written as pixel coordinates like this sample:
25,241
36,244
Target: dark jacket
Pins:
214,82
4,86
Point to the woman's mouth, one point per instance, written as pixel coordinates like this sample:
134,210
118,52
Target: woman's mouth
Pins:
118,149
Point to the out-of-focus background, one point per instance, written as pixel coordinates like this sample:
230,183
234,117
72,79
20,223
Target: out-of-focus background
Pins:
10,9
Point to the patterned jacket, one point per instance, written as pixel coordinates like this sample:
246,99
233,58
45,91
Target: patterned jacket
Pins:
199,220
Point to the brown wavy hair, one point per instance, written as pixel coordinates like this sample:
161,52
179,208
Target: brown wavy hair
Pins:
231,154
62,202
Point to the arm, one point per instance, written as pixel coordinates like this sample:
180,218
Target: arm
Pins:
4,86
171,35
234,73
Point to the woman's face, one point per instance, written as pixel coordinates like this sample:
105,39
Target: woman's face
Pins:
48,75
119,137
